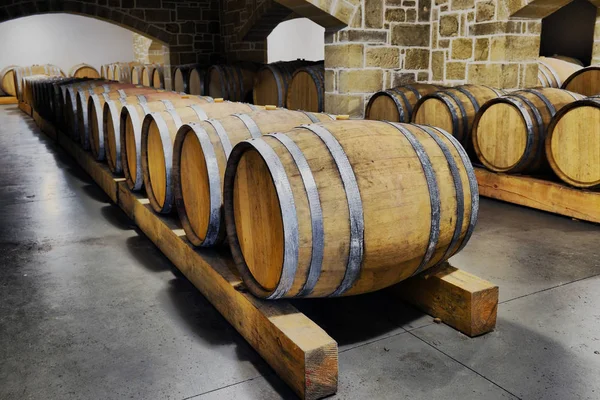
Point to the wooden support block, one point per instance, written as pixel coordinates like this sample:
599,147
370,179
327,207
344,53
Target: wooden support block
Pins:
26,108
299,351
461,300
8,100
540,194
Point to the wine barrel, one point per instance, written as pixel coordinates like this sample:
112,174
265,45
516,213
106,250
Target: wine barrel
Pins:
397,104
158,134
306,90
196,80
122,72
231,82
136,74
573,143
181,78
509,132
454,109
82,100
84,71
347,207
552,72
110,72
148,74
200,154
7,80
112,121
70,105
130,134
158,78
585,81
272,80
96,122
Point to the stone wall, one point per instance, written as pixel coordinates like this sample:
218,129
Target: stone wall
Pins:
141,47
393,42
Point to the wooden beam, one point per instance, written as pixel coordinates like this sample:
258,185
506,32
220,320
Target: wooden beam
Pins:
540,194
26,108
461,300
8,100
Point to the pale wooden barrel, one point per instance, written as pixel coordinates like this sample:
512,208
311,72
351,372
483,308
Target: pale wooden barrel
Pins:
454,109
112,122
70,105
122,72
272,80
306,90
158,135
231,82
573,143
357,206
196,81
552,72
130,135
136,74
200,156
148,74
7,80
95,115
585,81
84,71
509,132
181,78
397,104
82,116
158,78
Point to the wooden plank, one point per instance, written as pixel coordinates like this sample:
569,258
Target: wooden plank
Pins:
26,108
301,353
8,100
461,300
540,194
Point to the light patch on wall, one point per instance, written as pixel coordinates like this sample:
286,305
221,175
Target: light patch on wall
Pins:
297,38
63,40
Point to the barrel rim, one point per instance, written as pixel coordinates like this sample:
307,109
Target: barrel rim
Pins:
577,73
215,229
287,214
585,102
524,115
128,111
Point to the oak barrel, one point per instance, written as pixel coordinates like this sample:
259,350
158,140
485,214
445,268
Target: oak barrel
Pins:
454,109
585,81
357,206
158,134
70,105
196,80
136,74
95,113
183,75
509,132
200,155
7,80
272,80
130,135
306,90
397,104
82,116
148,74
573,143
112,122
231,82
84,71
158,78
122,72
552,72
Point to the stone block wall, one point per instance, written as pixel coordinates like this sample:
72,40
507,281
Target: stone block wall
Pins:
450,42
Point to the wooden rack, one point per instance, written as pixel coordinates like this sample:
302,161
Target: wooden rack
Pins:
298,349
543,195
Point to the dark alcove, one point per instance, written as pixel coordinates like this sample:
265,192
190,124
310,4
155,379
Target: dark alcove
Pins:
570,32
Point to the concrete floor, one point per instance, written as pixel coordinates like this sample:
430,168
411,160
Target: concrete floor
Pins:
90,309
